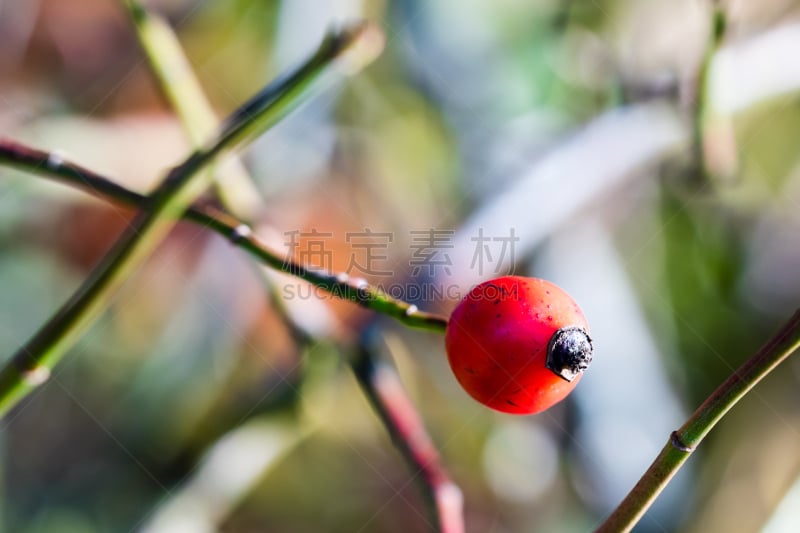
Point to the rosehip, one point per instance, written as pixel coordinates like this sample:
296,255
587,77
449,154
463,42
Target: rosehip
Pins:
518,345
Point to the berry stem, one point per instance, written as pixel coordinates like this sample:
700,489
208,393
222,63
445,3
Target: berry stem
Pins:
220,222
685,440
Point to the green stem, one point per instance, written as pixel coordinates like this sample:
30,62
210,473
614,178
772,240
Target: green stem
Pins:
701,107
30,365
338,284
176,79
685,440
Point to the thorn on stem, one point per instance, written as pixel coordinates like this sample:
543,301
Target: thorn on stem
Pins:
55,159
239,233
678,444
36,376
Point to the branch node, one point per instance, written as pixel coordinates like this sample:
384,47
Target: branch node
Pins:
36,376
55,159
678,444
239,233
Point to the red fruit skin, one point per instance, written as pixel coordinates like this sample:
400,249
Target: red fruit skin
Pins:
497,339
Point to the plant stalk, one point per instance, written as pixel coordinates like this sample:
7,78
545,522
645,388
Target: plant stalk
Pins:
684,441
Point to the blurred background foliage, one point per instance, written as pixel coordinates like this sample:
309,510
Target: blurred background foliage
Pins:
670,212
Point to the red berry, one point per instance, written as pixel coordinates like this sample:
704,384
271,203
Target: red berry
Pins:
518,345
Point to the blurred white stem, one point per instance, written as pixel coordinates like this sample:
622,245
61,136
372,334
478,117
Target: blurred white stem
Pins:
230,470
601,157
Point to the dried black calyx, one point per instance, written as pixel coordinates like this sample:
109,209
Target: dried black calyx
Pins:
569,352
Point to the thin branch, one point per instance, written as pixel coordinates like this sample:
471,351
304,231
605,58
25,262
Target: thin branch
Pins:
338,284
386,395
29,366
701,109
382,387
685,440
174,75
